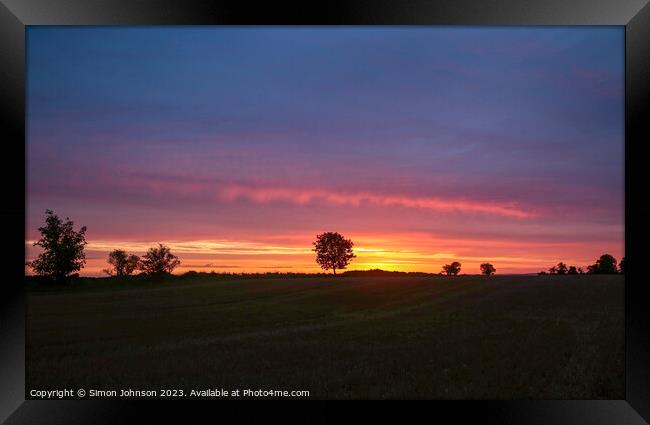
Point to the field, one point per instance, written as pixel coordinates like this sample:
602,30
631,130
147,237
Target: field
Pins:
465,337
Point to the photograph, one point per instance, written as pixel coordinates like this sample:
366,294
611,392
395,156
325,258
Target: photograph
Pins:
325,212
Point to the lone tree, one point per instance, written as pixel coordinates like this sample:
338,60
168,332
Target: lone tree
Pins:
451,269
488,269
121,263
63,248
158,261
333,251
606,264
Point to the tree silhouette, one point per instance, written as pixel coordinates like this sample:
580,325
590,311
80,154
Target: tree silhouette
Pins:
63,248
488,269
122,264
158,261
621,265
451,269
333,251
561,268
606,264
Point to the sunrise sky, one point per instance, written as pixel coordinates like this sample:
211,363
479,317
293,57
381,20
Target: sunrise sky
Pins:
424,145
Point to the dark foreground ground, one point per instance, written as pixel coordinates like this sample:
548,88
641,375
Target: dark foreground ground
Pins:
471,337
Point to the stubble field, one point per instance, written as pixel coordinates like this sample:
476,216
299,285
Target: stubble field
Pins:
464,337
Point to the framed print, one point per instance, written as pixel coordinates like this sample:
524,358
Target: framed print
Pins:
223,202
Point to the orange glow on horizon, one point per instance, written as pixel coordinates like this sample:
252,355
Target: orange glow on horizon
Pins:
400,252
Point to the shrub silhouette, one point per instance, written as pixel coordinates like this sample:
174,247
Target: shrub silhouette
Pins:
333,251
606,264
122,264
560,268
63,248
451,269
158,261
488,269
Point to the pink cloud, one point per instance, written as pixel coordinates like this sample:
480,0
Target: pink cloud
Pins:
233,192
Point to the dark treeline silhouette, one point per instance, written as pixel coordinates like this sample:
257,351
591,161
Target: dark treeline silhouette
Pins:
63,255
621,266
157,261
122,264
348,273
606,264
384,273
234,275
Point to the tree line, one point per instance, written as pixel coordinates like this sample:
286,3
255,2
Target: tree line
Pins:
63,255
606,264
157,261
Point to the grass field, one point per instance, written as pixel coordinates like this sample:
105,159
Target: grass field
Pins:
466,337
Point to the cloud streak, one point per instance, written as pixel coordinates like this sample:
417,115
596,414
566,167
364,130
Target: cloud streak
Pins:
263,195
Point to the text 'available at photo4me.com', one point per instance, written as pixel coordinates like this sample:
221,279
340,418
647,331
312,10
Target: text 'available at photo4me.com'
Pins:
211,393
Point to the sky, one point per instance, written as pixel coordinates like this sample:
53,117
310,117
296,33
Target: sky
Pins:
424,145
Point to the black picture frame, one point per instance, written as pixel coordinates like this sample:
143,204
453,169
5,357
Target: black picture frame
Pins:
15,15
